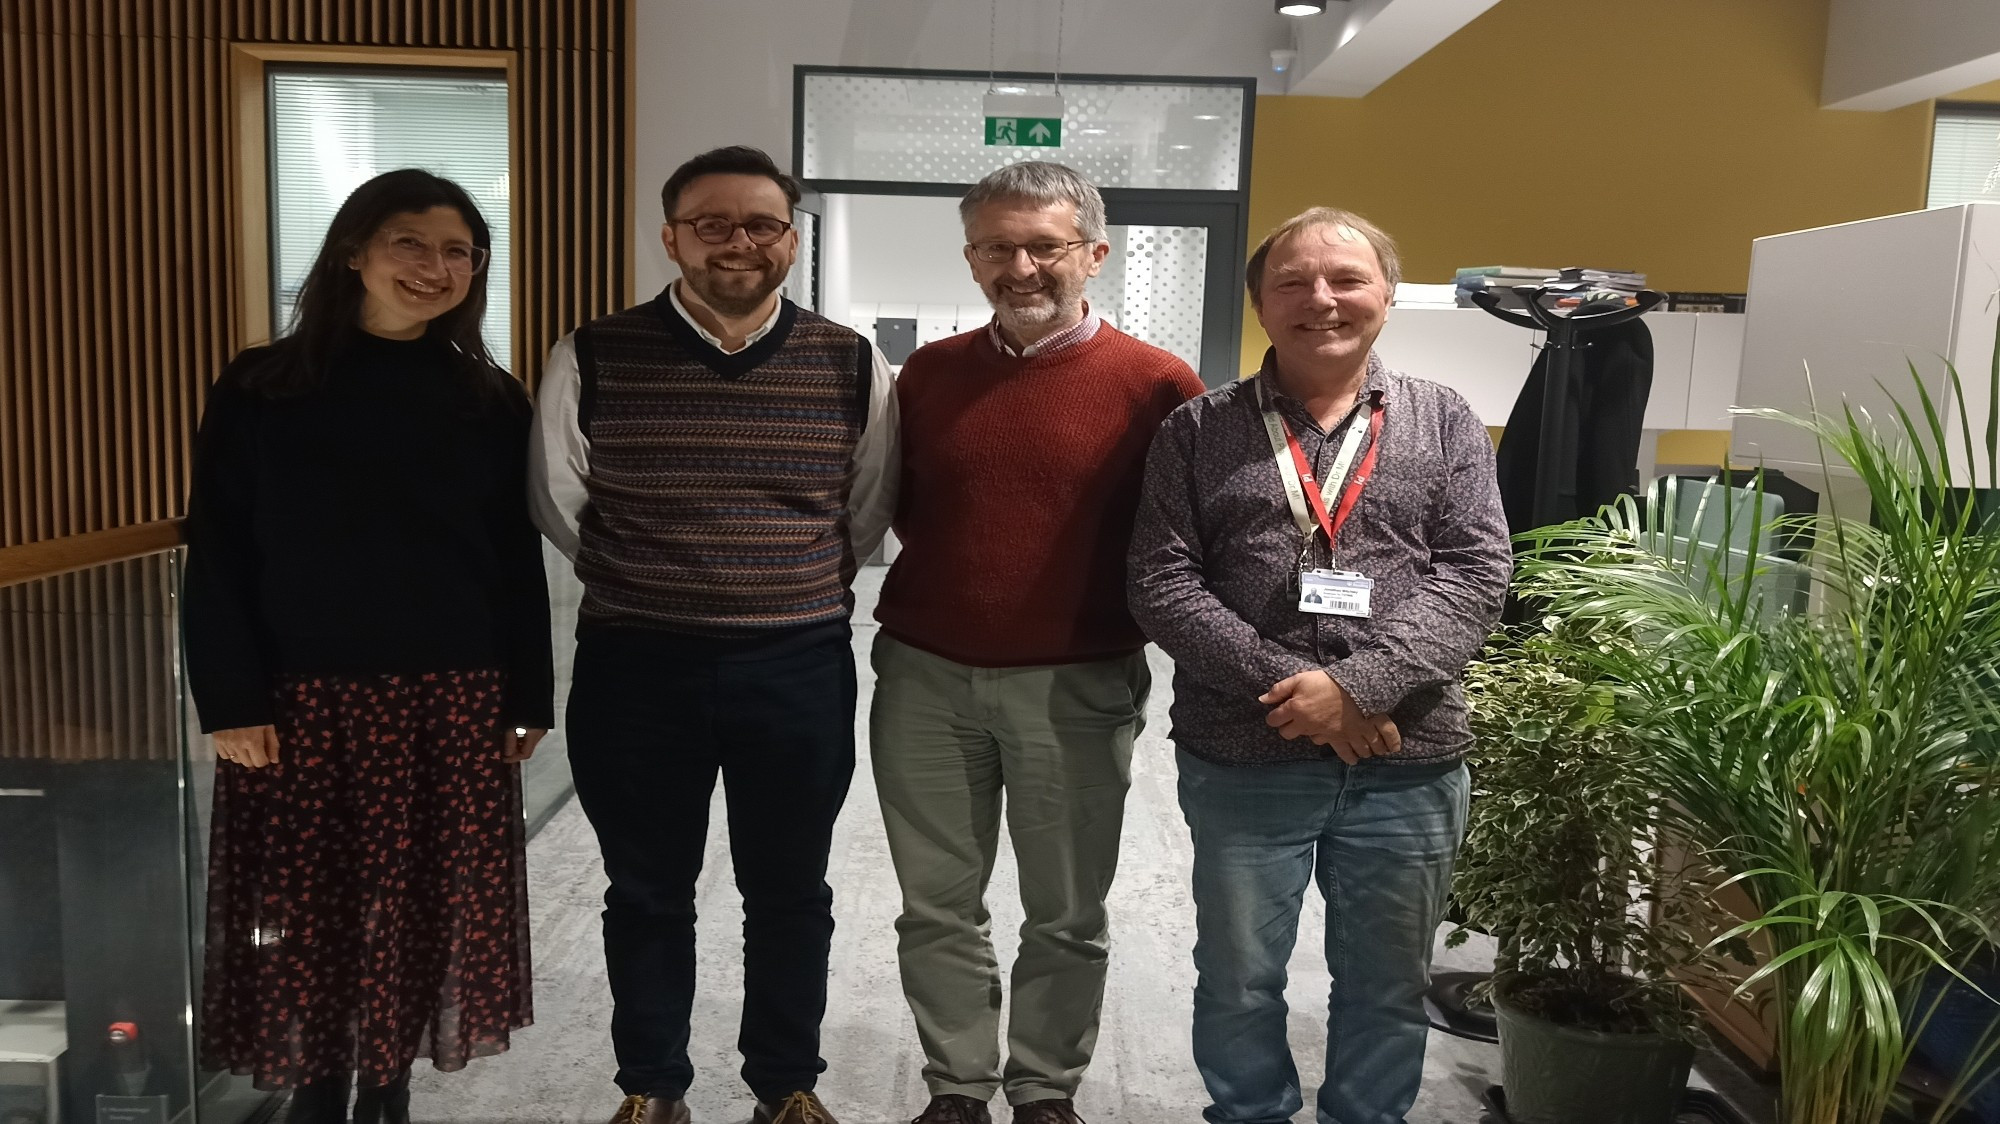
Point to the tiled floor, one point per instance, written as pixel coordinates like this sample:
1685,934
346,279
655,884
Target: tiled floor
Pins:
560,1069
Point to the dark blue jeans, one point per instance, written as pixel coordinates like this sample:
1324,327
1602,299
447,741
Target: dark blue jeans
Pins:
649,730
1381,840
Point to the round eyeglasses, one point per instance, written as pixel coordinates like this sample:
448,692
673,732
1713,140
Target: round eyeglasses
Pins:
457,258
715,230
1044,252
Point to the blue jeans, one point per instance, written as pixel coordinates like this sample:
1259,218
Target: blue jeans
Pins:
1381,839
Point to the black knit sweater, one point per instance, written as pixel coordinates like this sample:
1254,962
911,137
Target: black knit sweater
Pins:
376,525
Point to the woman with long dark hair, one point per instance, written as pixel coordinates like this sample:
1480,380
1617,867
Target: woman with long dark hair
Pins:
367,632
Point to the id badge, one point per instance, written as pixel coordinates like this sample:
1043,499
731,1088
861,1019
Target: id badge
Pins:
1340,593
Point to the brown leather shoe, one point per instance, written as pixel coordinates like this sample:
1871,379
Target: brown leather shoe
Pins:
954,1108
651,1110
799,1108
1062,1111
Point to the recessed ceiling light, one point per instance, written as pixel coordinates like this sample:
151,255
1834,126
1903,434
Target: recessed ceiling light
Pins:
1180,147
1208,116
1093,132
1301,7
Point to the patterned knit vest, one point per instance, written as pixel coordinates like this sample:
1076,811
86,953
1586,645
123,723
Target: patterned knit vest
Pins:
718,483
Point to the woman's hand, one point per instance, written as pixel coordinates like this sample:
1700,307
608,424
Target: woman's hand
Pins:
252,747
520,744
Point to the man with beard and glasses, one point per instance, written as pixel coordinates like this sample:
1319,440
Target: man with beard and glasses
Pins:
716,462
1008,669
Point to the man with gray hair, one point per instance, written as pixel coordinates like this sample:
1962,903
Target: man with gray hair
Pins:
1008,665
1321,550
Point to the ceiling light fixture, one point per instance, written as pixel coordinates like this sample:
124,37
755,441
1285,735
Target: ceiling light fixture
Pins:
1301,7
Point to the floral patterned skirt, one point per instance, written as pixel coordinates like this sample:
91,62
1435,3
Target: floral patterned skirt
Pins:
367,895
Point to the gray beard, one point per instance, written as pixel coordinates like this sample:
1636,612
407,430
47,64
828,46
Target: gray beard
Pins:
1034,318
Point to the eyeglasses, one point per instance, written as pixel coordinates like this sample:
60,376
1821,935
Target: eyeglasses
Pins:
1041,253
458,257
715,230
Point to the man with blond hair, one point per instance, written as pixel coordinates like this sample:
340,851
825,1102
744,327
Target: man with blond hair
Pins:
1008,670
1321,549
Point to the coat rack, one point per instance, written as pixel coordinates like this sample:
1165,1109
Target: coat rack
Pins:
1555,456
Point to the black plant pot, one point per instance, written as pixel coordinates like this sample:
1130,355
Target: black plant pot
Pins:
1566,1075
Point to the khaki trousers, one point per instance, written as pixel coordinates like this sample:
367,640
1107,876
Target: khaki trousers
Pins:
948,742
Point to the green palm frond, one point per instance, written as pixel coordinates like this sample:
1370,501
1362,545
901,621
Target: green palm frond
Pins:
1839,763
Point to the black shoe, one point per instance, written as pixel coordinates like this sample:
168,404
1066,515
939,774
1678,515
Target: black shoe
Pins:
319,1102
384,1104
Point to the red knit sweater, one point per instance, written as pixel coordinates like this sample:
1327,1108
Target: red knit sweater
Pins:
1020,481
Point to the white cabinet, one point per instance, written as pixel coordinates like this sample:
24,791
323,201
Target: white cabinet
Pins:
1718,353
1673,360
1487,360
1862,302
1467,349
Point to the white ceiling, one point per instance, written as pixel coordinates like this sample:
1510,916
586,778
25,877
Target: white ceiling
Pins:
1156,37
1356,46
1344,52
1885,55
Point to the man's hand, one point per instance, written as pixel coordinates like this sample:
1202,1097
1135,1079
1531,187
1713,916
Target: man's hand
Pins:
520,744
1312,705
252,747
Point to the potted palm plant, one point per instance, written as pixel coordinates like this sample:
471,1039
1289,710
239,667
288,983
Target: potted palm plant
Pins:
1839,762
1594,1028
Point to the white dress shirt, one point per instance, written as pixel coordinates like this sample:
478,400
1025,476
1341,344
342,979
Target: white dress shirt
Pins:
559,452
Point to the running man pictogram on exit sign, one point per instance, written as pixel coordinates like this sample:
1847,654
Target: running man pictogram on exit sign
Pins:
1027,132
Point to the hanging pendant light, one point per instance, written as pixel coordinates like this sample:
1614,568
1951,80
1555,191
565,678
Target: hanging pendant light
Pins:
1301,7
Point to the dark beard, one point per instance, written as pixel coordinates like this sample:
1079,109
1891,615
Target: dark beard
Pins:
730,302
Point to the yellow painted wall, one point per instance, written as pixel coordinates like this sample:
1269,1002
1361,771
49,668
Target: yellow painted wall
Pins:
1657,135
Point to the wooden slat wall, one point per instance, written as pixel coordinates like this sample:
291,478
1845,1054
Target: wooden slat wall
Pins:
118,268
87,665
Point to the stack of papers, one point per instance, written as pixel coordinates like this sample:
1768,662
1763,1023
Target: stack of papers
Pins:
1621,280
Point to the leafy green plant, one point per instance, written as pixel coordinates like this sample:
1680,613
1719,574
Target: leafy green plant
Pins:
1839,763
1592,924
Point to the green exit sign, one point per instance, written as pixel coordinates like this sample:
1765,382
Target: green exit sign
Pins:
1026,132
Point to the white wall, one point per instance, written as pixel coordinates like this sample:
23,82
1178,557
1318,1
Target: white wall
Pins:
1882,54
716,72
905,250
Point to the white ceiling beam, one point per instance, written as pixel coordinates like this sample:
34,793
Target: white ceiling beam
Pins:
1358,45
1887,55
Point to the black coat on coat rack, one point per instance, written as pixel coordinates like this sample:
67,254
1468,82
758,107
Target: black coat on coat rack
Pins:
1603,416
1572,440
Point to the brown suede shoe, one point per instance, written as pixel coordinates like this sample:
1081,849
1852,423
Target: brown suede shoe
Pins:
799,1108
954,1108
651,1110
1061,1111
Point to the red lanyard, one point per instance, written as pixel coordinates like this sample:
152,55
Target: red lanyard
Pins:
1349,494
